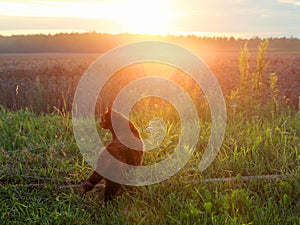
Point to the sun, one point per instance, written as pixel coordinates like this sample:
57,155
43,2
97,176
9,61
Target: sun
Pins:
132,16
153,17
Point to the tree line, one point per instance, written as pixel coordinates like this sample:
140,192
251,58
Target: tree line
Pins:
92,42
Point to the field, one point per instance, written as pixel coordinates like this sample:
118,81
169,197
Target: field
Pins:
53,78
41,166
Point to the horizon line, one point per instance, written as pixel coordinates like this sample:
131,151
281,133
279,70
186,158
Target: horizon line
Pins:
203,34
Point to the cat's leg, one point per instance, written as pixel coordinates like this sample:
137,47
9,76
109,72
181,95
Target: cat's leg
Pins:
111,188
90,183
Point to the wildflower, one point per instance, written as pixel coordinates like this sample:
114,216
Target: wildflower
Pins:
233,106
126,210
284,123
17,90
169,142
149,128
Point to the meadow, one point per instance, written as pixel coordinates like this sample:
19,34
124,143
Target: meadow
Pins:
41,165
53,78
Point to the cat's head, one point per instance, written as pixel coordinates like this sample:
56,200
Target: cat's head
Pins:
120,121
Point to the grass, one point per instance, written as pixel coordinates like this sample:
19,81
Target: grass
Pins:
40,163
253,146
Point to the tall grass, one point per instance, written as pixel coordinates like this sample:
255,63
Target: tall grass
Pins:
257,87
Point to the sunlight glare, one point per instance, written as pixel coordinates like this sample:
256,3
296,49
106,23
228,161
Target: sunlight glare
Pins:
153,17
134,16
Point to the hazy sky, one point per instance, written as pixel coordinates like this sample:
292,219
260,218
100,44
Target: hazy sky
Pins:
153,16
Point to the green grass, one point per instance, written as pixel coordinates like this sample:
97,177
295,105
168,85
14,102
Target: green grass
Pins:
47,154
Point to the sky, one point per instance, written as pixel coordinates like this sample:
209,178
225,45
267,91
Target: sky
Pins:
251,17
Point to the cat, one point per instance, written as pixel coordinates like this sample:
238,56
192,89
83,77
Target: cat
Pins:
118,150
